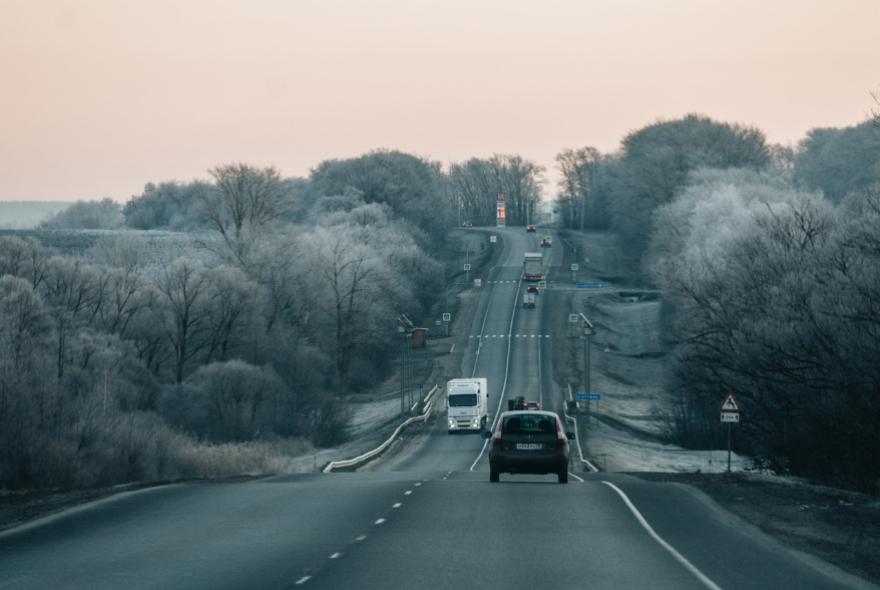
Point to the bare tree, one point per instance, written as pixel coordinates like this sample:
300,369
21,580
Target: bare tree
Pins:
578,168
245,200
875,112
185,291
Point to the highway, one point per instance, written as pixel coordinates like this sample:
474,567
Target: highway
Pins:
425,517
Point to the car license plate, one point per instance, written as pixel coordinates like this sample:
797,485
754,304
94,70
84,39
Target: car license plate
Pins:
529,446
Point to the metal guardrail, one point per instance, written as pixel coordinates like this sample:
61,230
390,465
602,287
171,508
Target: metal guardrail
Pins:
371,454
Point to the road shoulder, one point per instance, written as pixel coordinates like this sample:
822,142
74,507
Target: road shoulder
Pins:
834,531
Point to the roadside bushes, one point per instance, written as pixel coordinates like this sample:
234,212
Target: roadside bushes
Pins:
228,401
777,295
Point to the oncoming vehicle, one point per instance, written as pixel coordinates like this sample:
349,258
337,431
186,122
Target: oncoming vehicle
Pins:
529,442
466,404
531,228
532,405
546,242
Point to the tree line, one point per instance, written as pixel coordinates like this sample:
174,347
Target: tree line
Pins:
116,361
771,261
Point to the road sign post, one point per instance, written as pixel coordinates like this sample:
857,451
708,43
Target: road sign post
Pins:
447,317
730,416
574,271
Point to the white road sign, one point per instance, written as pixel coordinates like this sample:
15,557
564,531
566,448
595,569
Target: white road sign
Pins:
729,404
730,416
493,239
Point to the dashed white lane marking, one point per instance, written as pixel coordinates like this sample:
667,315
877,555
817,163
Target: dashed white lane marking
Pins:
397,505
672,551
417,484
482,336
407,493
302,580
360,538
452,348
336,555
379,521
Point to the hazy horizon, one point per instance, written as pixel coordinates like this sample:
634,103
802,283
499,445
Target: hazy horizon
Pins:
106,96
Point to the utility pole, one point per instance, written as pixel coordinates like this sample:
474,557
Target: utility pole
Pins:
404,328
587,326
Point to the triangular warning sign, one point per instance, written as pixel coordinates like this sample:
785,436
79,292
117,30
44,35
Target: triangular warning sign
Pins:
729,404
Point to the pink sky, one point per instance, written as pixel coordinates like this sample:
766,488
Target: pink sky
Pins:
101,96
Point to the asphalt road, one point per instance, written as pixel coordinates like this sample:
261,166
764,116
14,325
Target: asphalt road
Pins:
426,517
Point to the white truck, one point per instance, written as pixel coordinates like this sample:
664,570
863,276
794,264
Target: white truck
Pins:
467,402
533,267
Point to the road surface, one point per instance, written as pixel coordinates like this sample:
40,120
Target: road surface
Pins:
426,517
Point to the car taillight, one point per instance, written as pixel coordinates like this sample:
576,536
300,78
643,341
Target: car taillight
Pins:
496,438
561,438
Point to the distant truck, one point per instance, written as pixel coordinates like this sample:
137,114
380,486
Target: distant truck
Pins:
467,402
533,267
529,298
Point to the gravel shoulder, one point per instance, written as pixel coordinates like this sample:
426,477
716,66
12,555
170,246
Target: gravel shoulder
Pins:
837,526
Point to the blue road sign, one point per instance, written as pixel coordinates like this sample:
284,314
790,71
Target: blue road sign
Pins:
589,285
583,396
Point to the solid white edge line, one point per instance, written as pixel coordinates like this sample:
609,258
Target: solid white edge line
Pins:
302,580
506,374
703,578
574,475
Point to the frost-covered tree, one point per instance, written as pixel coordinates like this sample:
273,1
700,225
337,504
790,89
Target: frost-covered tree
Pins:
839,161
775,297
414,188
244,201
657,160
103,214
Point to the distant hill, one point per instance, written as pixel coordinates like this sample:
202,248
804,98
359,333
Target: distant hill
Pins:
27,214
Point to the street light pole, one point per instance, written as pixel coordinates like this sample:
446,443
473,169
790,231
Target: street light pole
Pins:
587,334
402,331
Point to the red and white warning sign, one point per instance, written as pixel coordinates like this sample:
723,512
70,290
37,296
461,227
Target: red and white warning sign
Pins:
729,404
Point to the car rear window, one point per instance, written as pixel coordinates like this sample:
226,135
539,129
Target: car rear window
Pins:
529,424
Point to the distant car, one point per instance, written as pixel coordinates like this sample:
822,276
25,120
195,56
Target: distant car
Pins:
529,442
517,403
547,242
532,405
467,224
531,228
532,289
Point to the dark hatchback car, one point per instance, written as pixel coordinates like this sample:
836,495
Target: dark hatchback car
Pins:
529,442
